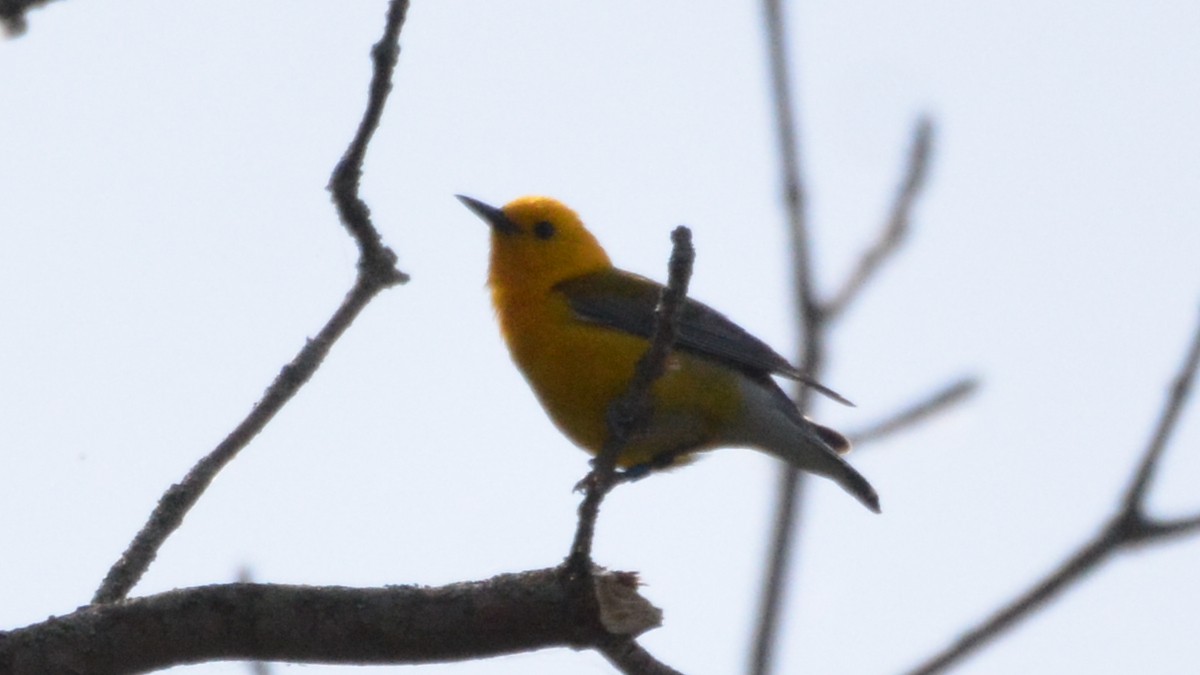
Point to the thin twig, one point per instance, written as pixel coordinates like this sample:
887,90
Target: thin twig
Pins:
943,399
376,271
626,412
1130,527
1174,527
896,226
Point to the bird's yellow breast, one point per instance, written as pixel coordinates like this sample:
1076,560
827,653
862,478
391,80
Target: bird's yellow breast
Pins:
578,368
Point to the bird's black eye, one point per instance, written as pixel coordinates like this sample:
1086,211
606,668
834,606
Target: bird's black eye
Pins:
543,230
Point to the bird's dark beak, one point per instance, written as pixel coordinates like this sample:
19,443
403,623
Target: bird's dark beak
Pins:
492,215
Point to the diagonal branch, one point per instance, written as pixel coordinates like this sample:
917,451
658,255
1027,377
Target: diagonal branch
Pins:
1130,527
897,226
376,272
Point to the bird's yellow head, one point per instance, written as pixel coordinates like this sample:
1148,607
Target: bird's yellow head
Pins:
537,242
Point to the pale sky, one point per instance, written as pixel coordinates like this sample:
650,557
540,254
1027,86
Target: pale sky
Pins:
168,245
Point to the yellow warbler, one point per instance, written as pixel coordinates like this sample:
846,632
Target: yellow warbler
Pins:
576,326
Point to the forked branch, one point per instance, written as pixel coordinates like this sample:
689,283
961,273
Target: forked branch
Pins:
1131,526
815,317
376,272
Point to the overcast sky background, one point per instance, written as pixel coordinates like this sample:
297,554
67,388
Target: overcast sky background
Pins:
168,244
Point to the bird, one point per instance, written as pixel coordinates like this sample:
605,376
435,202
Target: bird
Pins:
576,325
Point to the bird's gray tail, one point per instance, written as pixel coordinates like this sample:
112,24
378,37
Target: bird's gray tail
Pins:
818,449
770,422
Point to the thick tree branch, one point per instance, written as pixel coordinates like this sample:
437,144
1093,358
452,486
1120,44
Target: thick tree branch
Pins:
376,272
1130,527
392,625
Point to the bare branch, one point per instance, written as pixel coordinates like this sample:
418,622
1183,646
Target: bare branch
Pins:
375,259
628,411
376,272
304,624
1130,527
943,399
897,225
